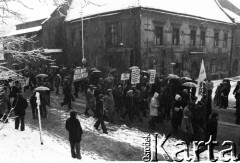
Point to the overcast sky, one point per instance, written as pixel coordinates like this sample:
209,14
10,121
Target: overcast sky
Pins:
37,9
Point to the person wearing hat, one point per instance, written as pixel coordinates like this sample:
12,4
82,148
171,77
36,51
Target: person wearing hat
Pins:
73,126
109,104
67,91
118,98
129,106
90,99
57,83
99,114
20,105
177,113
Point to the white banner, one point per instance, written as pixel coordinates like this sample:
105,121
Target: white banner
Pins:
125,76
135,78
152,76
80,73
202,76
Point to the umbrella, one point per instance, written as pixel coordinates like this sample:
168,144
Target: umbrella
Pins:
143,71
97,71
54,66
186,78
172,76
41,75
93,69
189,84
41,88
133,67
112,70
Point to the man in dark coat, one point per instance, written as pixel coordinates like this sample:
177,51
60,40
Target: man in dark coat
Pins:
74,128
99,114
67,95
20,104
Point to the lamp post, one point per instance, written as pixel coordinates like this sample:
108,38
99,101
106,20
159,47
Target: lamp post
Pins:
84,61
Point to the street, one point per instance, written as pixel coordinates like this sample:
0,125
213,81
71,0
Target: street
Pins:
124,142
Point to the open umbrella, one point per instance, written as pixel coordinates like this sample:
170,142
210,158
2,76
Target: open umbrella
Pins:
112,70
186,78
97,71
133,67
189,84
41,75
54,66
41,88
172,76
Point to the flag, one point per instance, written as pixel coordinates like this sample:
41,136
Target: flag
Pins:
202,76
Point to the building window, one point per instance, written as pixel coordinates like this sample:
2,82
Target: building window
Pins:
73,35
225,40
158,36
224,65
213,66
216,39
193,37
112,34
202,38
175,36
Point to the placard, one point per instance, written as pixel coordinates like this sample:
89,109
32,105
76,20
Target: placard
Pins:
125,76
135,77
152,76
80,73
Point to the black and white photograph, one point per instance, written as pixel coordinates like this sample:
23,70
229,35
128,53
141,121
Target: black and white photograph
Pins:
119,80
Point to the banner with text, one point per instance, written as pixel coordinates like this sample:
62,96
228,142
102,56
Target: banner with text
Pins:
135,76
125,76
79,74
152,76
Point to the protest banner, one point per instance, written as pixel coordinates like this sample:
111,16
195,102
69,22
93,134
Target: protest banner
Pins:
79,74
135,76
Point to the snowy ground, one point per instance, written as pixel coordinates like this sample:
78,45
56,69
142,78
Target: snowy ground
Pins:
24,146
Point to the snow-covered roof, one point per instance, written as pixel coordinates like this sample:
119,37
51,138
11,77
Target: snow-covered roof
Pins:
52,50
207,9
24,31
233,15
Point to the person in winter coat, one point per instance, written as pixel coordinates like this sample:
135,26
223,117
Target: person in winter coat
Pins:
129,106
75,131
20,105
236,92
177,113
100,113
154,104
118,98
90,99
110,105
211,131
3,102
57,83
186,125
33,103
67,95
224,95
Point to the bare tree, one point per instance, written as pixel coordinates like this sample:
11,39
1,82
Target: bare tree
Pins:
14,46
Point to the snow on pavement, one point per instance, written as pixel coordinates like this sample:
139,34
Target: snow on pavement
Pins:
24,146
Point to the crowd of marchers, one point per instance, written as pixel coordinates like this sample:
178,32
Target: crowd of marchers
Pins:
111,99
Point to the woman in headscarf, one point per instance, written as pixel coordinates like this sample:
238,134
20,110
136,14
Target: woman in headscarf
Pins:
154,104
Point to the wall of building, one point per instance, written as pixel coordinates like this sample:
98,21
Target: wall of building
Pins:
98,50
30,24
187,62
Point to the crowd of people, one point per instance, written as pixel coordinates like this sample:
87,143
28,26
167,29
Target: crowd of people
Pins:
111,99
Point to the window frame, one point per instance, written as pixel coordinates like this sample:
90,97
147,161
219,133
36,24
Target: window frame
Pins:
175,36
159,36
